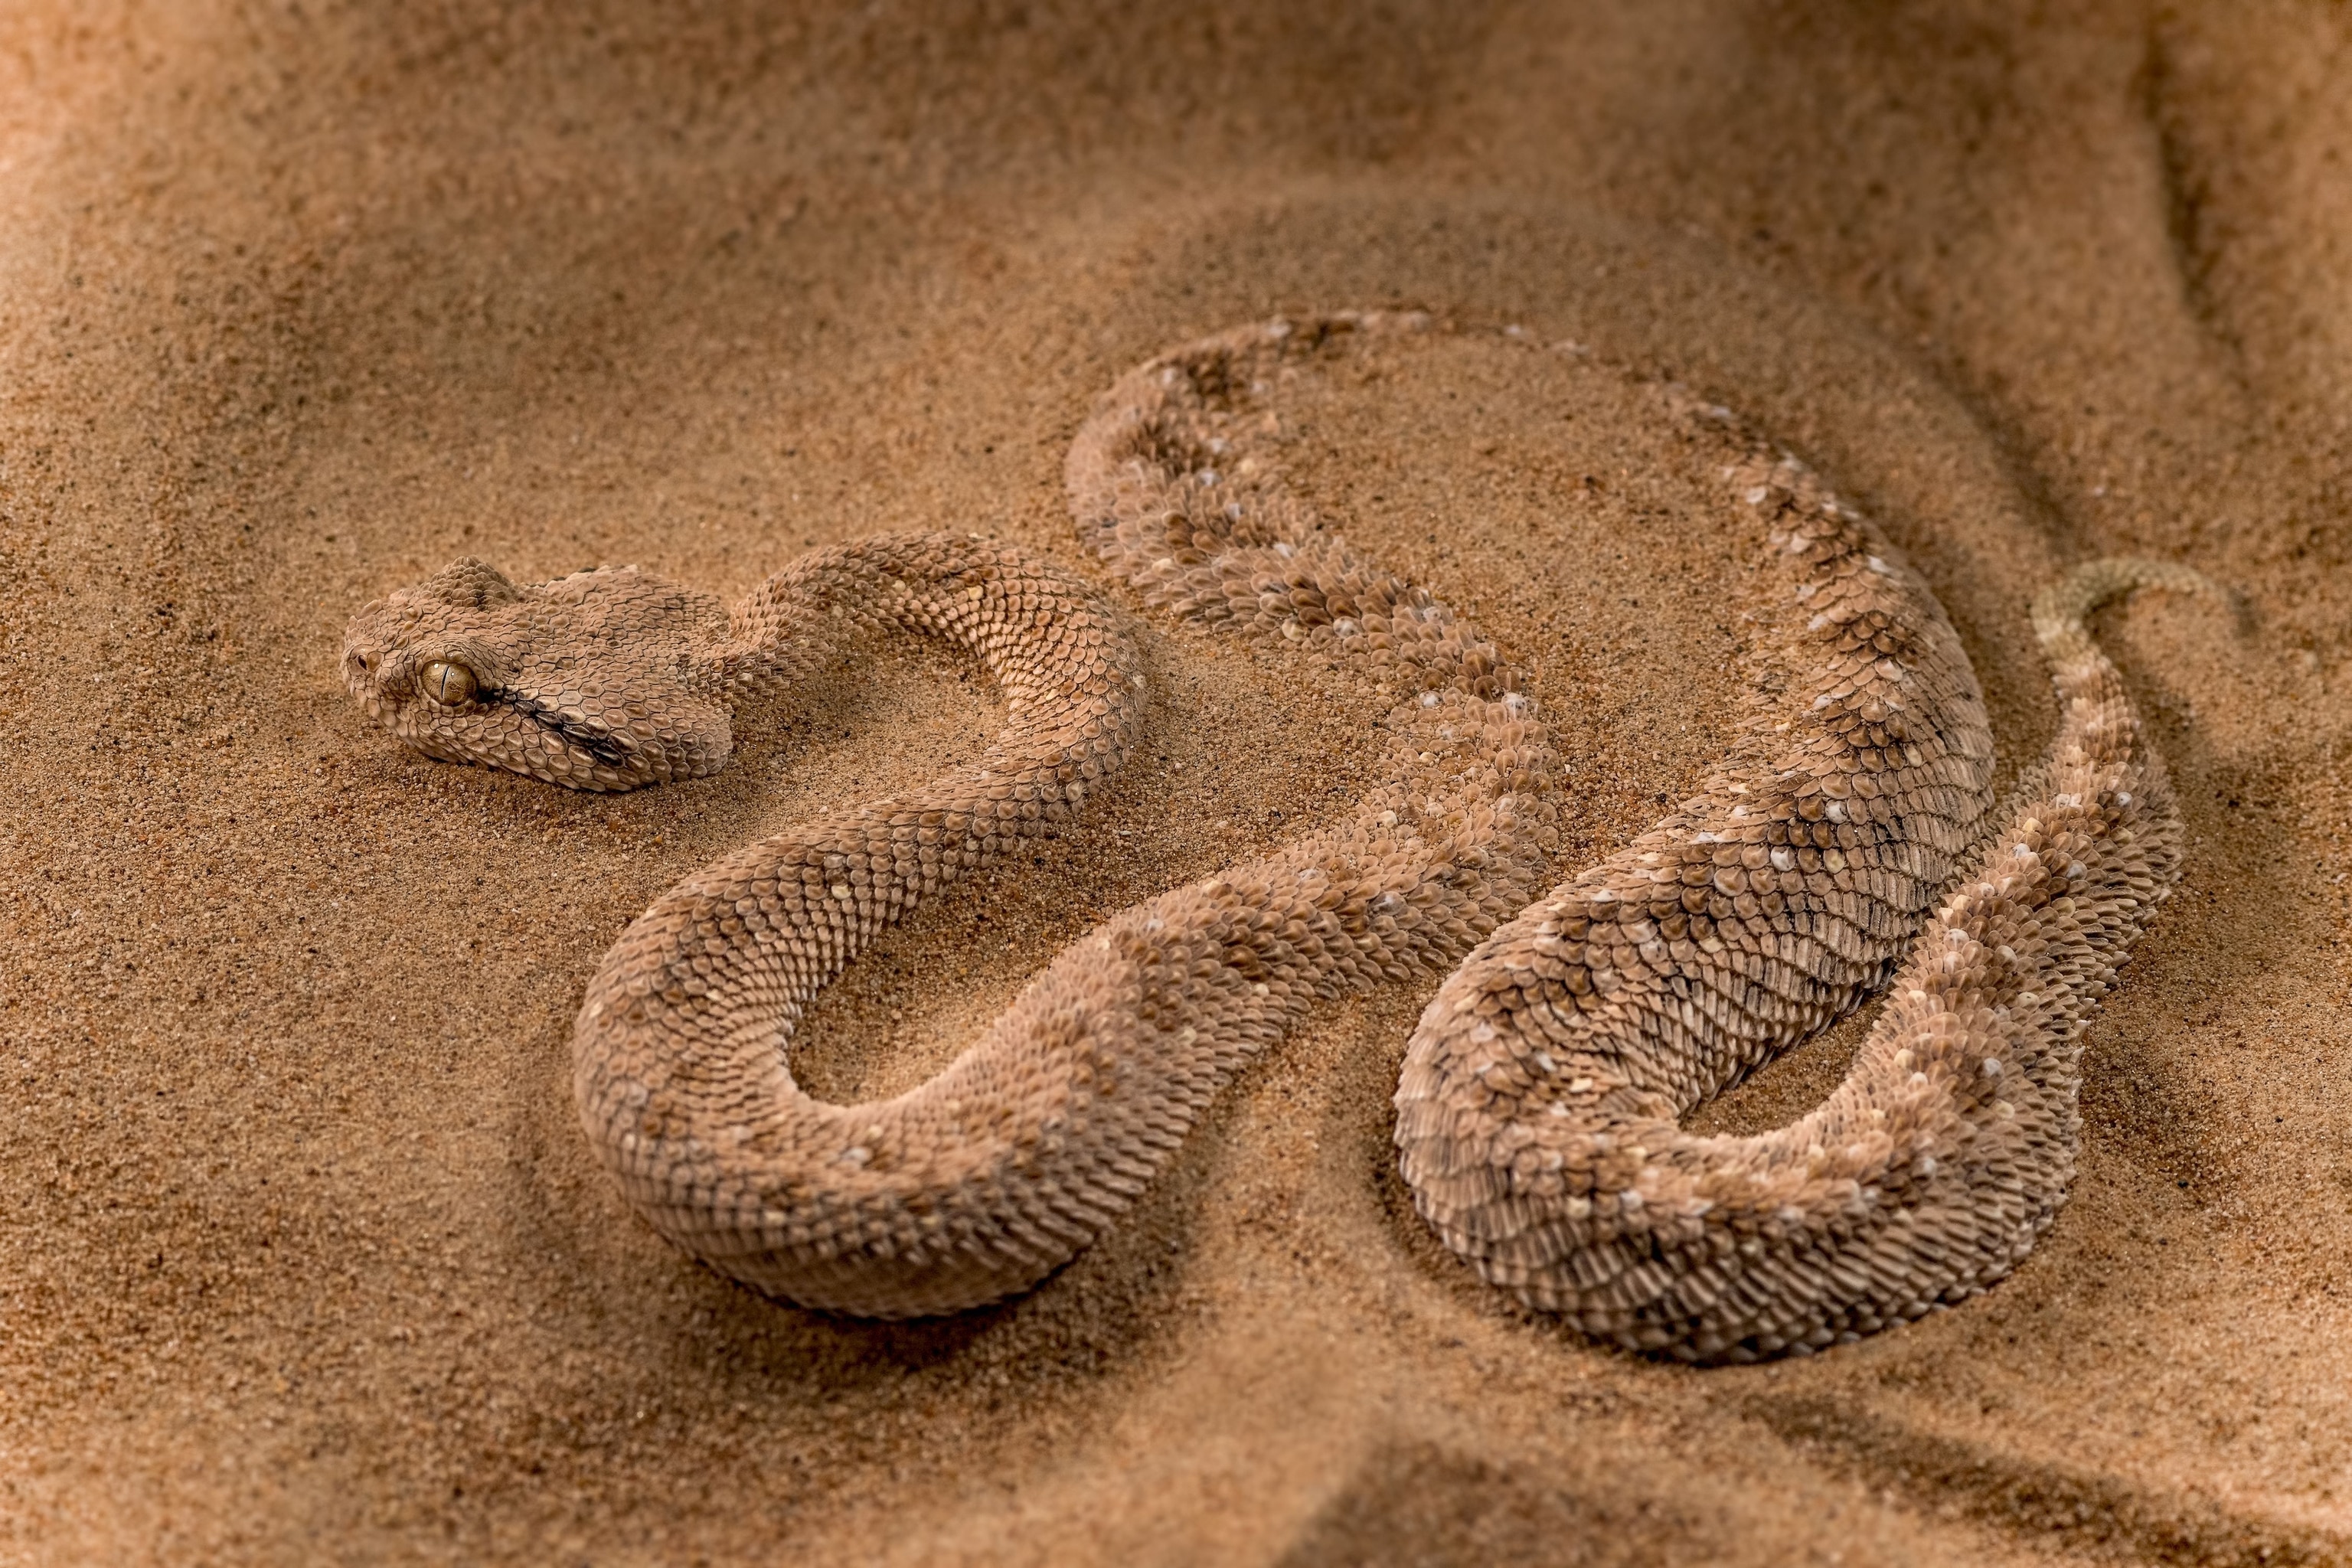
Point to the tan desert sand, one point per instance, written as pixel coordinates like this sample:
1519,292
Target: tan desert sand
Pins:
304,1257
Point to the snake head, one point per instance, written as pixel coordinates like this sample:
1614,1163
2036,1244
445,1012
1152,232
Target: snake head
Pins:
606,680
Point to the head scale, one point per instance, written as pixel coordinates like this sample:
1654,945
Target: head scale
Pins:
605,679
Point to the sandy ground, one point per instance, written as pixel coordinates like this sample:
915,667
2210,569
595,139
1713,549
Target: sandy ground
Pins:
302,1256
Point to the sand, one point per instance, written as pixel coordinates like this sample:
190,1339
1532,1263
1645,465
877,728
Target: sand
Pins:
302,1255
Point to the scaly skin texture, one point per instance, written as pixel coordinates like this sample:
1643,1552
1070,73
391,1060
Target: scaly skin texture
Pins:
1537,1118
1537,1115
983,1180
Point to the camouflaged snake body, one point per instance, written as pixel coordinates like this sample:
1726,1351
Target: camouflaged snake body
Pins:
1537,1115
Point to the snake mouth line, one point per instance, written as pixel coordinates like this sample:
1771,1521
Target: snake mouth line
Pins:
604,745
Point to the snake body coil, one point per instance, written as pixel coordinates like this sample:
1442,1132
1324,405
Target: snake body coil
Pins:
1537,1115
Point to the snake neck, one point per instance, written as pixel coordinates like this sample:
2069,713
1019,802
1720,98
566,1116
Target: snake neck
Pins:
724,964
835,603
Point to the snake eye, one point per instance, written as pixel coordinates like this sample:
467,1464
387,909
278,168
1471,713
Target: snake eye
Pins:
447,683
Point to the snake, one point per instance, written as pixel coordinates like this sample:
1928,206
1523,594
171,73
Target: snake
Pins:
1849,846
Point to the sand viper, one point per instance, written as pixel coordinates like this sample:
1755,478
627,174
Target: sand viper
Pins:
1840,842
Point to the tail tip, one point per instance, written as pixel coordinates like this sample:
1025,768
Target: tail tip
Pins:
2060,609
